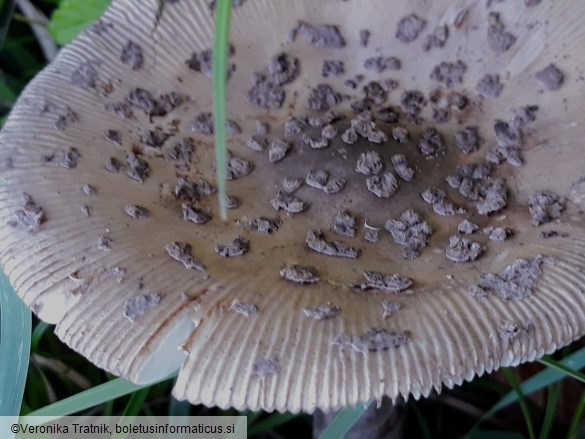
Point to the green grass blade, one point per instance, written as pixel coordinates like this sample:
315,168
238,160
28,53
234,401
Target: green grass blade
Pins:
422,422
87,399
15,330
132,409
220,55
554,392
523,404
6,11
343,422
553,364
37,335
270,423
574,362
579,410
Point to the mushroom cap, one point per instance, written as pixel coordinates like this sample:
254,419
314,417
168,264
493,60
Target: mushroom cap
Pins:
140,291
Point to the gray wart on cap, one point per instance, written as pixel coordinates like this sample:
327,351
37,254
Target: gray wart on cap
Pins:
330,238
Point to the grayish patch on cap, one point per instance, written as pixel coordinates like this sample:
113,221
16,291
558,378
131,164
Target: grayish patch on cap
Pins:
324,35
369,162
30,215
373,340
137,306
289,203
345,224
278,150
195,214
317,178
70,158
438,199
551,77
449,73
239,246
132,55
379,64
323,311
489,86
518,280
497,233
409,28
136,212
104,243
410,232
265,367
300,274
246,309
256,143
499,40
389,308
394,283
315,241
545,206
265,225
382,186
463,250
401,167
291,185
181,252
466,227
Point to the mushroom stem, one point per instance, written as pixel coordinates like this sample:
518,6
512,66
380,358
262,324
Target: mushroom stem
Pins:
220,54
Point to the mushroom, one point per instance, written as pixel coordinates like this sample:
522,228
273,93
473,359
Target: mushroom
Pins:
143,287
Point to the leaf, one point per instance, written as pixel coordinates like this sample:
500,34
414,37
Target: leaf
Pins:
73,16
15,329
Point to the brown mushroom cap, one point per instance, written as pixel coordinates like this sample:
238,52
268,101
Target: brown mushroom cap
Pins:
128,280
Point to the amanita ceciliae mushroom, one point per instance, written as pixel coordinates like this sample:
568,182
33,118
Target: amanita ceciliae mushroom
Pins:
346,270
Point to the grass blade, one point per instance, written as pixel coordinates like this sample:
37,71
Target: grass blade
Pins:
37,335
343,422
132,409
87,399
579,410
6,11
549,376
15,329
523,404
220,55
554,392
553,364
